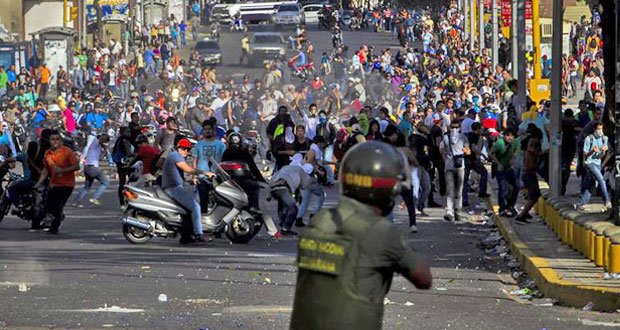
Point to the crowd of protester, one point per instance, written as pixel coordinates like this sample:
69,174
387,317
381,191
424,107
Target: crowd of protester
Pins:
449,109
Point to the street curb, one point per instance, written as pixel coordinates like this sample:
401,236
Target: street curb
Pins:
548,281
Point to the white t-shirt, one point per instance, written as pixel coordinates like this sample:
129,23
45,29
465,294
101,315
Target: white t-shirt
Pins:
217,106
466,125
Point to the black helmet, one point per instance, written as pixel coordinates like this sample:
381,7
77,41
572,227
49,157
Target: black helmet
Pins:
234,140
142,139
371,173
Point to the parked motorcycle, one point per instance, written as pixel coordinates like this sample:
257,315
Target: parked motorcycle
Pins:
238,26
154,214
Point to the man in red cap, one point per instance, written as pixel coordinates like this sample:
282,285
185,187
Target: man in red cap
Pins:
172,183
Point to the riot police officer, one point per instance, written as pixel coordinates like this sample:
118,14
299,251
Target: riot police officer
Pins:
348,255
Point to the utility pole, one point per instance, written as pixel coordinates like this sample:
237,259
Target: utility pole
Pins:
142,16
99,21
65,6
481,34
513,36
555,180
495,24
465,18
472,24
83,21
521,69
150,11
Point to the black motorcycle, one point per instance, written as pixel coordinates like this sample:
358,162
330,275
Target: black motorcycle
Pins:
27,203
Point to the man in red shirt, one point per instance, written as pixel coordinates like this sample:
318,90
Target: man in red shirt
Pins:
147,154
60,167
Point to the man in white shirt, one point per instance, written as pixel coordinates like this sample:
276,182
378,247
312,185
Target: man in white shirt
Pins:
92,171
469,119
311,120
268,107
218,106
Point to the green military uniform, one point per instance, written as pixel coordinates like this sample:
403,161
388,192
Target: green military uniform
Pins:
346,270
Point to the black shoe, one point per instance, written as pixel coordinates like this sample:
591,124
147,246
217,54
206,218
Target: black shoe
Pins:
203,239
485,195
53,231
521,220
288,232
457,217
434,204
506,214
311,216
528,216
187,240
299,222
448,217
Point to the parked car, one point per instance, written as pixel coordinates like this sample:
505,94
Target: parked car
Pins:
210,52
311,13
266,46
288,15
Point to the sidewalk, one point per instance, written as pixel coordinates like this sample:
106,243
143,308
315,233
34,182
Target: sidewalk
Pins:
566,252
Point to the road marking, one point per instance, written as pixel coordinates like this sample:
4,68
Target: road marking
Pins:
203,301
111,309
458,255
17,283
269,255
258,309
598,323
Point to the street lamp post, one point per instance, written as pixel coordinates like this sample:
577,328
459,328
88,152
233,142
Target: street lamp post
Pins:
555,182
513,36
495,25
472,24
521,64
481,27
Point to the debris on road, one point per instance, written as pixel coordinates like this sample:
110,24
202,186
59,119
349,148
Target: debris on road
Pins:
162,298
588,307
22,287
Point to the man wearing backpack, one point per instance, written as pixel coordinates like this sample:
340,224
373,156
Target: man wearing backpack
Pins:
501,154
122,150
595,147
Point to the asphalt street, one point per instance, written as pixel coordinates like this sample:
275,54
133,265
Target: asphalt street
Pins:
90,277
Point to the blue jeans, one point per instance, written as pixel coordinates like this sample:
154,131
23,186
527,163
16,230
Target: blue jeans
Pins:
93,173
315,189
187,200
594,170
287,205
183,40
477,167
504,178
79,78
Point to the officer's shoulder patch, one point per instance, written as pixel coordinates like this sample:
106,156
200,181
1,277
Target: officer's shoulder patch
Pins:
320,248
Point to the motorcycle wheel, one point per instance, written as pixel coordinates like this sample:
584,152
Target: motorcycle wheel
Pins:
135,235
241,231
